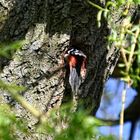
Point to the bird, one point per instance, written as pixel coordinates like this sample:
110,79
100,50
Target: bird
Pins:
77,62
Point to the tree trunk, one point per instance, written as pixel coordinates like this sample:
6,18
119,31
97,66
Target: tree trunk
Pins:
50,28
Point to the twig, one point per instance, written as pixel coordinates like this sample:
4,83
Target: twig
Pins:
122,111
48,74
124,56
133,49
122,49
107,122
97,6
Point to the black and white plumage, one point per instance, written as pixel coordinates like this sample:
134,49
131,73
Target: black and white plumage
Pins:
76,60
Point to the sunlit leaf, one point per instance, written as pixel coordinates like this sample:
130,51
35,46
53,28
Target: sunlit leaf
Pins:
7,49
99,18
120,2
121,65
137,1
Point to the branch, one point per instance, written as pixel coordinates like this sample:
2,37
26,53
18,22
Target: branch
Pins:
122,111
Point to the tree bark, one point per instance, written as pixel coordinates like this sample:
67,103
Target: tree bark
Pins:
50,28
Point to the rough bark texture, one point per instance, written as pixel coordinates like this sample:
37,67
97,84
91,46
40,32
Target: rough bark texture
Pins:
49,28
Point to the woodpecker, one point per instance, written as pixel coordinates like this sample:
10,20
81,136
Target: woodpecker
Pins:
76,61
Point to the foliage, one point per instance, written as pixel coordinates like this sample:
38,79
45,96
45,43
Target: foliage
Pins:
61,125
8,48
66,125
124,36
9,124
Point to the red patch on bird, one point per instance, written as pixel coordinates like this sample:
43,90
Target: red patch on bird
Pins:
72,61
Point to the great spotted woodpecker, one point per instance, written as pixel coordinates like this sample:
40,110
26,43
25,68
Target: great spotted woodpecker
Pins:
76,61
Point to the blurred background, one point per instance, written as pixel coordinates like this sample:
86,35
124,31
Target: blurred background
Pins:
110,108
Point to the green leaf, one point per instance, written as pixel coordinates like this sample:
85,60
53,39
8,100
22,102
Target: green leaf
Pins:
9,124
7,49
136,1
99,15
120,2
121,65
